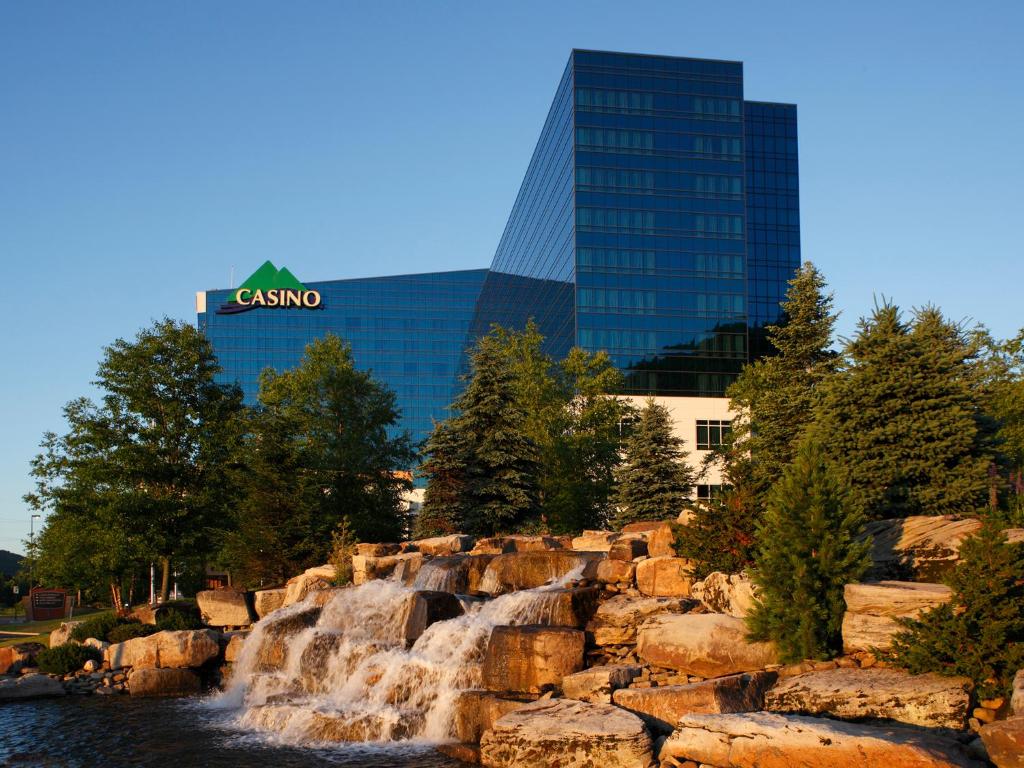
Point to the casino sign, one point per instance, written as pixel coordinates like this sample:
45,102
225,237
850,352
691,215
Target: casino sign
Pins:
270,288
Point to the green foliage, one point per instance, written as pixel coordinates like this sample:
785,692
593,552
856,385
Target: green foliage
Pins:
129,630
1000,377
808,551
98,626
654,480
343,546
178,618
447,456
66,658
901,421
720,535
980,634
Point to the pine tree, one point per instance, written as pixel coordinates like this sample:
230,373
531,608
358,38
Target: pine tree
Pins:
446,469
808,551
980,634
901,422
654,479
721,533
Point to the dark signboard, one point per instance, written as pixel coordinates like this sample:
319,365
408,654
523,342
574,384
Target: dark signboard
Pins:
47,603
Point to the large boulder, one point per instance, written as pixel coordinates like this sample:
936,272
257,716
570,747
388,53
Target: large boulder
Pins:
875,694
569,734
766,740
662,707
1017,697
225,608
595,541
266,601
14,658
629,548
165,650
597,683
1004,741
659,535
612,571
872,610
366,568
476,712
62,634
272,652
444,574
513,571
734,594
664,576
163,682
617,619
319,577
531,659
444,545
232,642
426,607
921,548
30,687
702,644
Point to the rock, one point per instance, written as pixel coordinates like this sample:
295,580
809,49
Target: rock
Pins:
30,687
99,645
378,550
568,606
628,548
477,711
266,601
225,608
426,607
518,543
444,545
872,609
165,650
733,594
163,682
233,648
1004,741
1017,697
614,571
444,574
531,659
662,707
14,658
921,548
595,541
272,650
464,753
597,683
928,700
62,634
617,619
766,740
90,665
475,572
567,734
703,644
320,577
664,576
525,570
491,545
365,568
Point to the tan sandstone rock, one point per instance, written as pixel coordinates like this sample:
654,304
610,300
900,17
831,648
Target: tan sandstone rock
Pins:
378,549
929,700
320,577
658,534
225,608
266,601
14,658
662,707
531,659
366,568
703,644
597,683
163,682
62,634
617,619
921,548
628,548
595,541
1004,741
1017,697
476,712
567,734
664,576
233,647
734,594
614,571
525,570
424,608
765,740
440,546
872,610
165,650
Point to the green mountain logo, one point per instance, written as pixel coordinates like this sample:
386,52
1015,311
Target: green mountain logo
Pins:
267,278
270,287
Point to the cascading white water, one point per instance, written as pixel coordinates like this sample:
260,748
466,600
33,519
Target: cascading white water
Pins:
350,677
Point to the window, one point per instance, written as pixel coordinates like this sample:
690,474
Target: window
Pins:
711,433
708,492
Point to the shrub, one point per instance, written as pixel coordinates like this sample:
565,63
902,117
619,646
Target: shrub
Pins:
720,535
66,658
343,546
980,633
96,626
128,630
179,618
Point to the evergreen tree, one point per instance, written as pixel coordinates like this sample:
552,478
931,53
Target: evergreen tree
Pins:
721,532
901,420
445,466
807,552
980,634
654,479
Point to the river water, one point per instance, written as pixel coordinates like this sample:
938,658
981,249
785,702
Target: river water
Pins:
118,731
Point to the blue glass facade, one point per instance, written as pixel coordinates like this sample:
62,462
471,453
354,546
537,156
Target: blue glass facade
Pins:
410,331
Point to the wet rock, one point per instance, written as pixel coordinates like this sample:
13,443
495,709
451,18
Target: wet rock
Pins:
705,645
233,645
444,545
921,548
525,570
365,568
872,610
595,541
315,659
163,682
531,659
14,658
597,683
617,619
567,607
30,687
266,601
517,543
319,577
664,576
476,712
426,607
273,650
62,634
464,753
1004,742
733,594
878,694
475,570
225,608
568,734
445,574
662,707
177,649
765,740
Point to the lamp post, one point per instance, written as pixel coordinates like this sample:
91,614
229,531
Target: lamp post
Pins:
32,543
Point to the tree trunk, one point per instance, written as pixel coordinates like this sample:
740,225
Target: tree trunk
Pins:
165,579
115,597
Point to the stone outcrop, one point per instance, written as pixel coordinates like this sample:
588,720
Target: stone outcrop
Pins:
1004,742
872,610
617,619
662,707
319,577
266,601
613,572
521,543
273,650
366,568
444,545
424,608
598,683
921,548
658,534
62,634
664,577
531,659
30,687
225,608
378,549
765,740
595,541
232,642
734,594
14,658
628,548
476,712
704,645
875,694
165,650
569,734
514,571
163,682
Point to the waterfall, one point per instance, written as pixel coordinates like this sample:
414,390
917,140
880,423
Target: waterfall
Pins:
344,672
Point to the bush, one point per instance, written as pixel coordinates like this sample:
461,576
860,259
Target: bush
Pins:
980,634
97,626
721,534
177,619
66,658
128,630
343,546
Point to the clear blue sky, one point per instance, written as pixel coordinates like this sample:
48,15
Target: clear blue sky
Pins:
146,147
